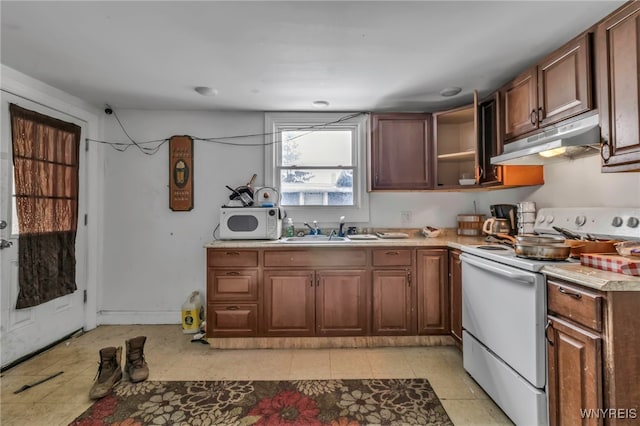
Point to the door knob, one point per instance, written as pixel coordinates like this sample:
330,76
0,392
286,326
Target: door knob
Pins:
3,224
5,244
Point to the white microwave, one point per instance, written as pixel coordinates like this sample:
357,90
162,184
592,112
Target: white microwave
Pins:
250,223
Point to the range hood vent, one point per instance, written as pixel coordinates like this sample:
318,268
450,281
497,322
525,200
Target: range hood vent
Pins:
573,140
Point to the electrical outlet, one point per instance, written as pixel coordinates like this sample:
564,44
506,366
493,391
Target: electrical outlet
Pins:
406,217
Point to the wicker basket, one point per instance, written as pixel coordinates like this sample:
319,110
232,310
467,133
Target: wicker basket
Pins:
470,224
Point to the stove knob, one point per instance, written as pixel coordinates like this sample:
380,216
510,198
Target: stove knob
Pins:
541,219
550,219
580,220
617,222
633,222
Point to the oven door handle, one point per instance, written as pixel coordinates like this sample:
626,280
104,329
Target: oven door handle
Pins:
489,267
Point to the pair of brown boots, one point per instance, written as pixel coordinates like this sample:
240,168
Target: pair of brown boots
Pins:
110,370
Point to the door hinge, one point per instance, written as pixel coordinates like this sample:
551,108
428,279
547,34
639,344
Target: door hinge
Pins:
84,296
86,219
86,145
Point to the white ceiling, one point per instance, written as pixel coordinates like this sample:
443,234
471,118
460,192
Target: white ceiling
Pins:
270,56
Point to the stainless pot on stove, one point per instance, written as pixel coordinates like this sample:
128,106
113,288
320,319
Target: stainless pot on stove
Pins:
538,248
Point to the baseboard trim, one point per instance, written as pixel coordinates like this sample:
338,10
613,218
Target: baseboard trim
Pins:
139,317
326,342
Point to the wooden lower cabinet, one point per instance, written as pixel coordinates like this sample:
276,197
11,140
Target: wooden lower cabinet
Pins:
433,291
322,303
455,293
289,303
345,291
575,372
593,357
341,303
391,300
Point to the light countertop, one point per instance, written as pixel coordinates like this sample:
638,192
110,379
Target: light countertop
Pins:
573,272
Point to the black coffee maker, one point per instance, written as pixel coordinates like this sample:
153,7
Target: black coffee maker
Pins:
506,211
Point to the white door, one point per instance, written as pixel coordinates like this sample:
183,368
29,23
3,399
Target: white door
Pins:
24,331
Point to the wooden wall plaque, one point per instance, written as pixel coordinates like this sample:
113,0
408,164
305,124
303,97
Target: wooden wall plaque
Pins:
181,173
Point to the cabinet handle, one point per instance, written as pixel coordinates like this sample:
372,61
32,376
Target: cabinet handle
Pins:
393,253
376,178
234,273
605,151
232,308
481,172
540,113
569,293
546,334
233,253
532,117
409,279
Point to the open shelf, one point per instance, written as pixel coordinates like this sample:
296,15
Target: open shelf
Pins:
458,156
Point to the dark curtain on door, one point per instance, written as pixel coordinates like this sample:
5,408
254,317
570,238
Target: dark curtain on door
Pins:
45,160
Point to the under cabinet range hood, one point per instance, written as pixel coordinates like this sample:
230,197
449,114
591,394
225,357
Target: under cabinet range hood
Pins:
573,140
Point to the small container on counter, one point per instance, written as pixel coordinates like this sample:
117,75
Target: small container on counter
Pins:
470,224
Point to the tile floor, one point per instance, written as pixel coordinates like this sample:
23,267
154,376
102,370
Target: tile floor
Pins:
172,356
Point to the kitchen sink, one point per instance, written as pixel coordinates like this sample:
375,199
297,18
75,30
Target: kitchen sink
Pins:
315,239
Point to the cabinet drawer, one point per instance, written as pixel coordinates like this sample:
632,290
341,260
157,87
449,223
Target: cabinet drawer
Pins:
392,257
237,284
232,320
576,303
330,256
232,257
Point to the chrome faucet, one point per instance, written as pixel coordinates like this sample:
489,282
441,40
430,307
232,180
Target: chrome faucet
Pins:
341,230
332,234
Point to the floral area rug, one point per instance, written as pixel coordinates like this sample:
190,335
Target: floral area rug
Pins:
301,403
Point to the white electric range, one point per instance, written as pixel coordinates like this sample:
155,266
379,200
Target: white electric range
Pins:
504,309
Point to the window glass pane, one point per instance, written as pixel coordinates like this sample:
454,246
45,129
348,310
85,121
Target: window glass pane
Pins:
316,148
326,187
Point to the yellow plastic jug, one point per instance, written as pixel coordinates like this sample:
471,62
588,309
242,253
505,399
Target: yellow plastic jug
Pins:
191,313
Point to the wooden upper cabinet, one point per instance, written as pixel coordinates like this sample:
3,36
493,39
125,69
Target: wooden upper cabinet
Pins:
618,53
456,145
521,104
558,87
400,151
564,82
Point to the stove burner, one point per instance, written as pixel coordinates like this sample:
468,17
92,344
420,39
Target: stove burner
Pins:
497,248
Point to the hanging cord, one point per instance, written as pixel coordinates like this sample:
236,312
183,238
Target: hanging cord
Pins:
123,146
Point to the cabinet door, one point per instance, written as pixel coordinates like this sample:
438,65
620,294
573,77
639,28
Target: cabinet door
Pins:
455,290
520,104
575,376
564,82
618,54
433,292
289,303
489,141
400,151
341,303
391,302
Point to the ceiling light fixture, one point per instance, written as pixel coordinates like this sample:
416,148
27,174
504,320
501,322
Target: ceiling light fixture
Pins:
206,91
320,104
450,91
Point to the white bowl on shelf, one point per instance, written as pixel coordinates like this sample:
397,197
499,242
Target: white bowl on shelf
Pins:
467,181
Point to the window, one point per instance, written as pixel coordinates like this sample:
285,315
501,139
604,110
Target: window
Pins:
317,161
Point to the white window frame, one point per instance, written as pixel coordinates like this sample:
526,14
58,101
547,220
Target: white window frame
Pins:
359,212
